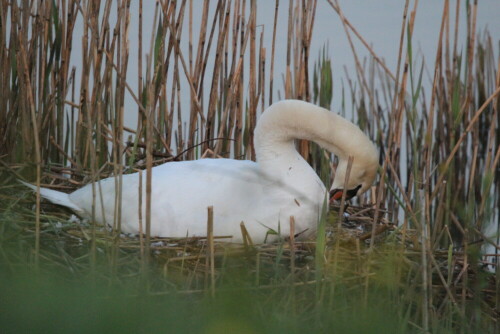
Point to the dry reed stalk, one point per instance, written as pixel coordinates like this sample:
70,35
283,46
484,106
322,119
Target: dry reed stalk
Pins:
252,110
359,69
191,82
262,73
273,49
93,176
425,176
139,61
210,259
430,123
288,79
28,88
149,148
378,203
124,17
247,239
190,25
426,279
236,76
471,32
464,135
396,107
300,26
344,192
195,75
292,244
348,24
139,214
213,97
292,262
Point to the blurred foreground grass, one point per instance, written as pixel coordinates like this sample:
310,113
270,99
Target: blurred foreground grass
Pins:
376,292
53,305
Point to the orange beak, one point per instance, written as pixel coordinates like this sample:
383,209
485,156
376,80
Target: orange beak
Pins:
336,195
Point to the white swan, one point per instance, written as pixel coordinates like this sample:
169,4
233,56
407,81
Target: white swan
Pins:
262,194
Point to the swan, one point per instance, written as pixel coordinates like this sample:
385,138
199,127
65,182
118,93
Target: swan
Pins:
262,194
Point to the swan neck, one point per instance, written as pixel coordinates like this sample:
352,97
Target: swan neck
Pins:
288,120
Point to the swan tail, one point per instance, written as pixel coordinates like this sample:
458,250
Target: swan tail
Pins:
56,197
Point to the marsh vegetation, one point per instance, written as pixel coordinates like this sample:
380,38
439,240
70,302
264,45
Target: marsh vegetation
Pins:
416,254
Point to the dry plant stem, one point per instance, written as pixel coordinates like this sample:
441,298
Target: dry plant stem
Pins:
380,192
408,205
463,136
292,244
252,111
271,74
149,175
288,79
247,239
425,273
243,235
141,229
292,260
493,168
190,53
465,278
400,53
397,108
436,80
124,30
38,160
213,98
344,193
210,259
471,29
359,68
139,62
236,77
61,150
186,71
336,7
93,255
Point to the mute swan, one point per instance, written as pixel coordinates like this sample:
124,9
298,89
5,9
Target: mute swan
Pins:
262,194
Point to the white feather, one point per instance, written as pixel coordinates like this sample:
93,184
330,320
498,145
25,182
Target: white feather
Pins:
56,197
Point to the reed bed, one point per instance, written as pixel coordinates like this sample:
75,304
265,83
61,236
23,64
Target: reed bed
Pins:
418,242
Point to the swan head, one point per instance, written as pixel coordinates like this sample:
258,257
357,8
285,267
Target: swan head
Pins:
360,180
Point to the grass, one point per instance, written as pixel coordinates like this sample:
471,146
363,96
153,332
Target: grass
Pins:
408,259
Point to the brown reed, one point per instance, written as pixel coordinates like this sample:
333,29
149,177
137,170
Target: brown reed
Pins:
440,175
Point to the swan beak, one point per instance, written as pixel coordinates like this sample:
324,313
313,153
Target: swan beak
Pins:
336,195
